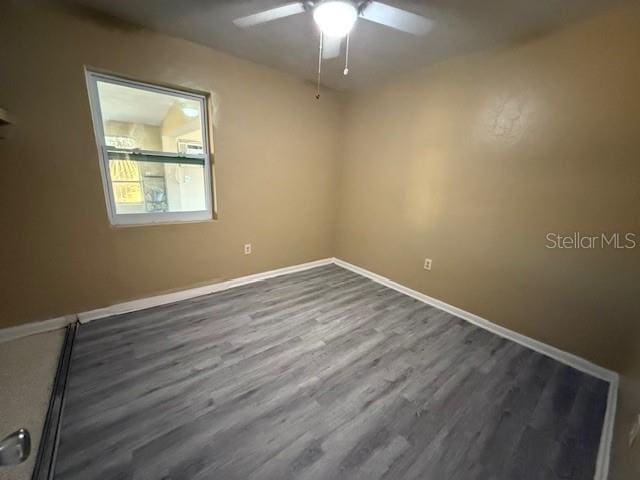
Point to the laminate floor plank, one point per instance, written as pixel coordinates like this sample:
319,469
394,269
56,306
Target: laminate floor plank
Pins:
321,374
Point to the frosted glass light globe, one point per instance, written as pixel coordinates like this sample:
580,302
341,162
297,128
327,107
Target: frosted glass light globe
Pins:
335,18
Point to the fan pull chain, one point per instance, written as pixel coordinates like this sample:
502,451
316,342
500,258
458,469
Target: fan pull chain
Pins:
319,65
346,59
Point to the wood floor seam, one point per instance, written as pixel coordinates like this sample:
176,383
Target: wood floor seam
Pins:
320,374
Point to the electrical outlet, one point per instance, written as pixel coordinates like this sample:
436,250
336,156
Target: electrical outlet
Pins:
427,264
247,249
635,430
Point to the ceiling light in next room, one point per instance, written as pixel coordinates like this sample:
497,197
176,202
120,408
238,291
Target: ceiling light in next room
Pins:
335,18
190,111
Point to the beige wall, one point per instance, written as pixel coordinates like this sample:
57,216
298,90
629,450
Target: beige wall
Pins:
473,161
470,162
276,148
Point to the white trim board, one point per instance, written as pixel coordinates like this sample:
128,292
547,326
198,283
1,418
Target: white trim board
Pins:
606,438
33,328
602,466
553,352
143,303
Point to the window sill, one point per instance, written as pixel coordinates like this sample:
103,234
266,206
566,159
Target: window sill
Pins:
142,223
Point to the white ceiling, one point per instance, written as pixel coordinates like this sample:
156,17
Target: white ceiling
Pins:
133,105
376,52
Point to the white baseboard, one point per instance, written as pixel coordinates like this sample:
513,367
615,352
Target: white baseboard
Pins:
604,452
553,352
606,439
158,300
33,328
602,467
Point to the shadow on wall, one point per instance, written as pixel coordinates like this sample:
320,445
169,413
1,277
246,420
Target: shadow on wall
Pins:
95,16
502,149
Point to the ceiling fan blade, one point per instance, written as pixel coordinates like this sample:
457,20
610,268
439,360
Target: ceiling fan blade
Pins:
396,18
269,15
331,47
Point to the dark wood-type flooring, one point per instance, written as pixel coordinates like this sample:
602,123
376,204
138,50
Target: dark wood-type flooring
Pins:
321,374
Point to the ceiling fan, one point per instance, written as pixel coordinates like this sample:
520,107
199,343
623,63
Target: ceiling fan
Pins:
336,18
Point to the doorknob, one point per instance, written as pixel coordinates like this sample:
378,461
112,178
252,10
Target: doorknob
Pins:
15,448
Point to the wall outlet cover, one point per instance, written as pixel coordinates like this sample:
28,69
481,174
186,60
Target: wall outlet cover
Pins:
247,249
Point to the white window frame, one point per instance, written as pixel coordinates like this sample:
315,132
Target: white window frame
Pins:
148,218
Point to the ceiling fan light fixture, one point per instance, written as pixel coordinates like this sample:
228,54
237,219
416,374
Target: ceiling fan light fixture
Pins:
335,18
